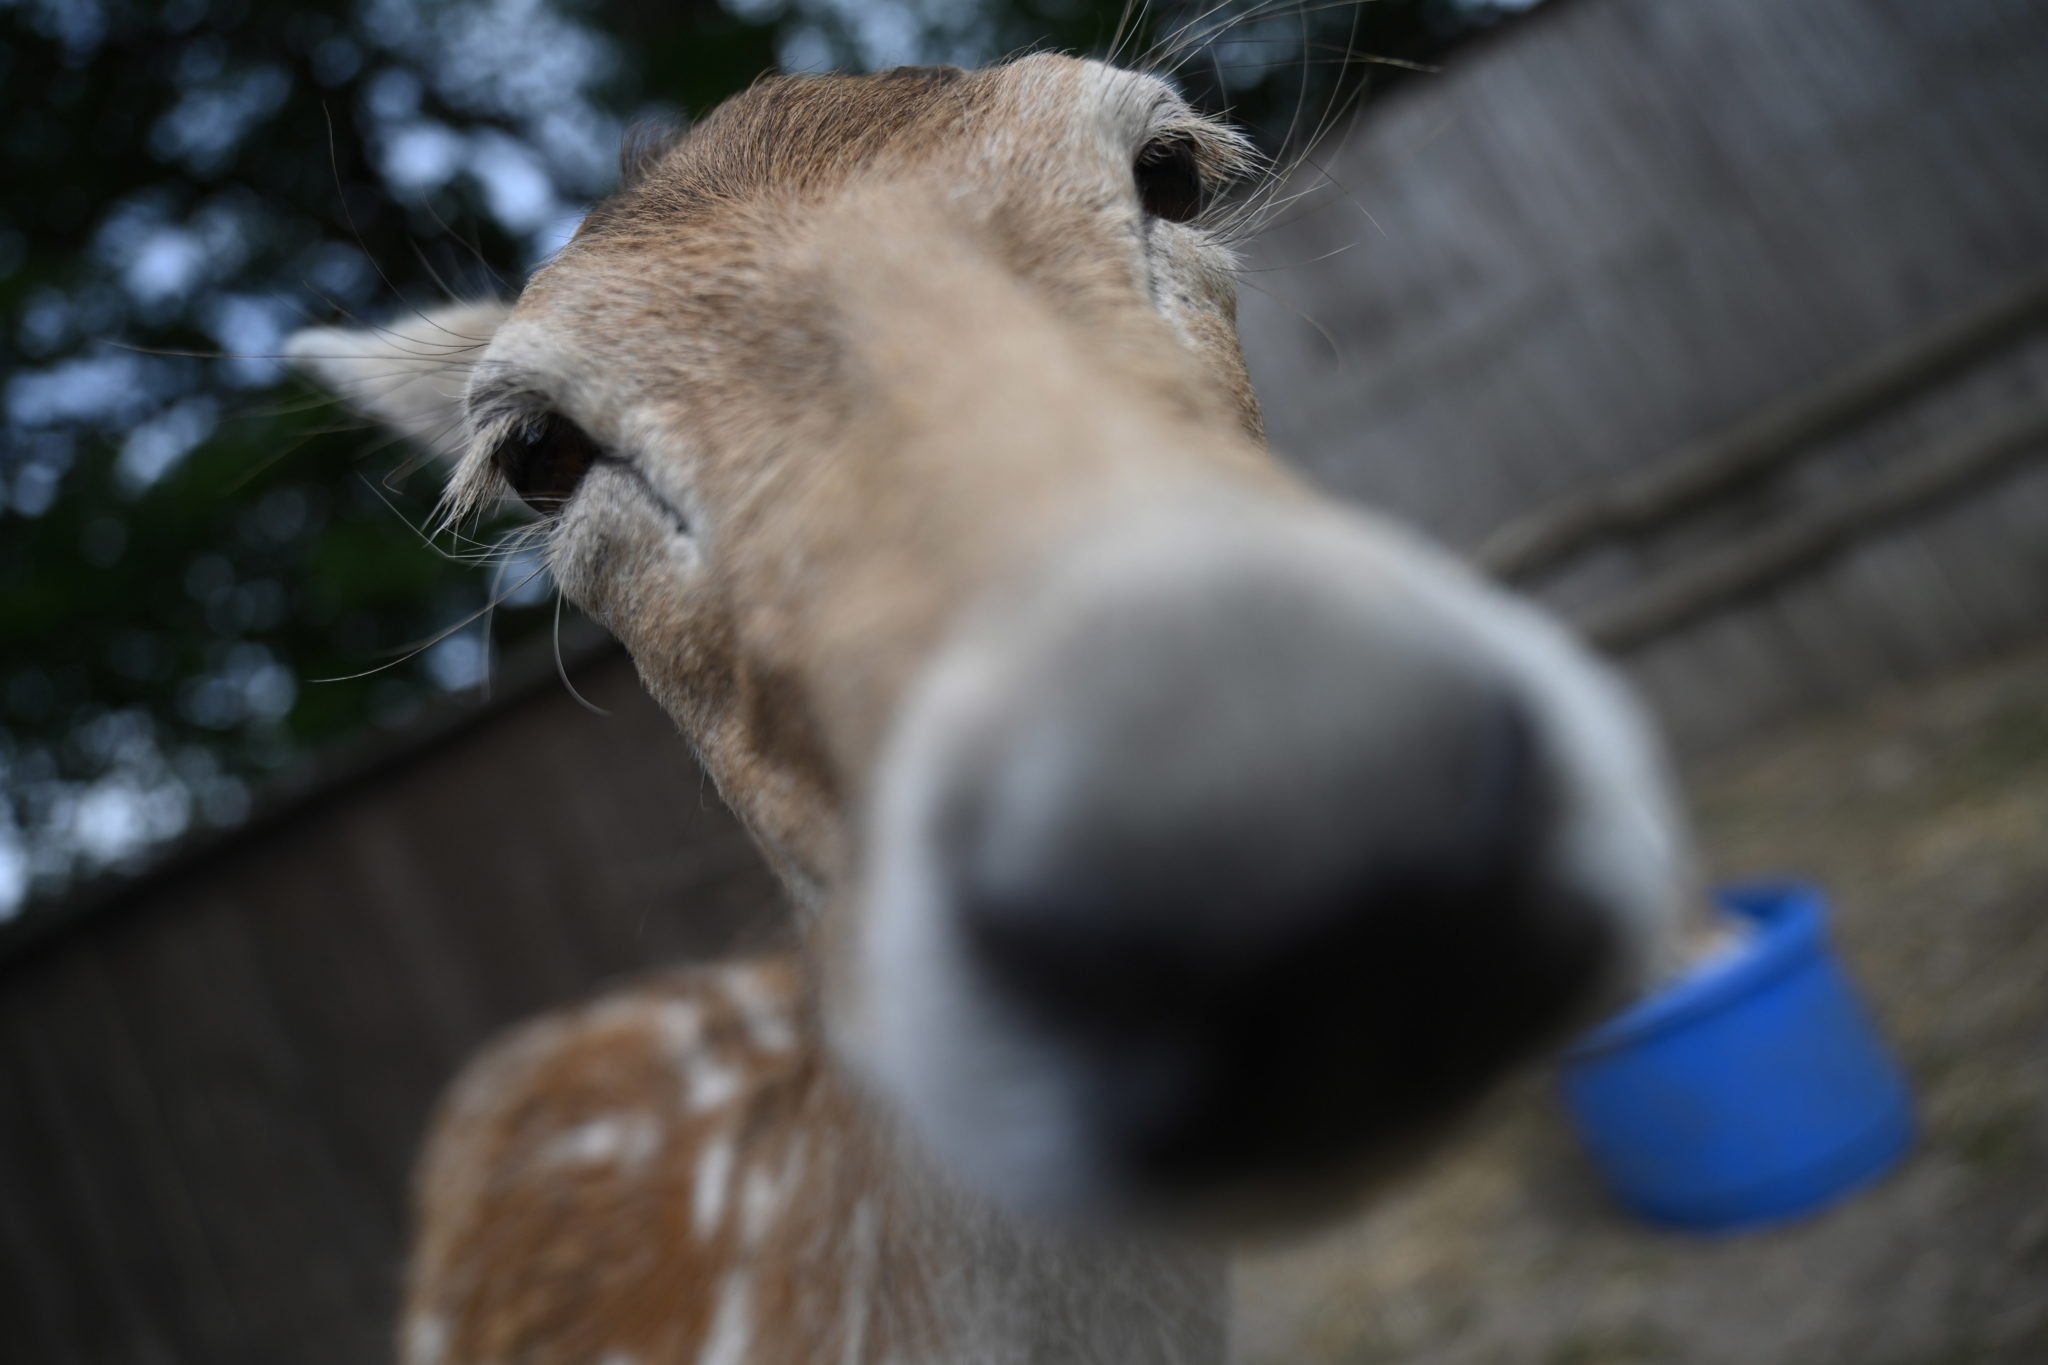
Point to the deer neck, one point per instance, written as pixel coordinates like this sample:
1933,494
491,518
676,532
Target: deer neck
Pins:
992,1286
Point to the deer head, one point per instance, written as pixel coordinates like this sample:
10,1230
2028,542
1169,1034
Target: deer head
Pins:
1169,838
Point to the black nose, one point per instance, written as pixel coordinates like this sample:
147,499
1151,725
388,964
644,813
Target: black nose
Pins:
1276,905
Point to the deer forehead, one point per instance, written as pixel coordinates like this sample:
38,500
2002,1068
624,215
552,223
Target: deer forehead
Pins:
717,252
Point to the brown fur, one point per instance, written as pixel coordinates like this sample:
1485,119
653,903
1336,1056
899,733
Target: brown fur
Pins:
526,1255
849,1247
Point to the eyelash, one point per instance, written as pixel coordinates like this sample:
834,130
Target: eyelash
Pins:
545,459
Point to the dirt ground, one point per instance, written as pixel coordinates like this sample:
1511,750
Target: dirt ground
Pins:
1926,818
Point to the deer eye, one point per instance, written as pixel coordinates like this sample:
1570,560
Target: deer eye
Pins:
545,459
1169,179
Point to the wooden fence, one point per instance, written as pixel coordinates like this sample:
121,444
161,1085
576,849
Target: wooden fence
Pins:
1722,323
212,1084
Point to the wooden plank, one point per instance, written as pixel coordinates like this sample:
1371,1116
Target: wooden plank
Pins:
1765,442
1716,579
84,1188
45,1298
250,1129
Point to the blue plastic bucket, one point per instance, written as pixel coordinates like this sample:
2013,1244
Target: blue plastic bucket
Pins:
1751,1091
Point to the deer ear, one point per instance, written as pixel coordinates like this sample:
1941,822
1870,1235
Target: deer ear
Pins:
410,375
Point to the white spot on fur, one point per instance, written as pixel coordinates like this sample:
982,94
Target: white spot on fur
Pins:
709,1083
714,1178
625,1139
767,1018
759,1200
732,1325
680,1026
862,1241
764,1195
426,1340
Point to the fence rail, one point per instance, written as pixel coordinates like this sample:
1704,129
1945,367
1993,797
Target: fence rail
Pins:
1716,323
1764,443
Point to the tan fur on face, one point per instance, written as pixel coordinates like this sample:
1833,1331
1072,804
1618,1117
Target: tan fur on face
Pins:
880,341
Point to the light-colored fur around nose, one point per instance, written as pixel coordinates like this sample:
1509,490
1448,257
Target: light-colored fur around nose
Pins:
991,1088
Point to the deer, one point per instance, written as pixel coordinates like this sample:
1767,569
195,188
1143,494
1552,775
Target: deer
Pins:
1177,855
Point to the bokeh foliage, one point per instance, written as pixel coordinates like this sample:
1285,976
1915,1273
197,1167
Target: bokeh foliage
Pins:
189,538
